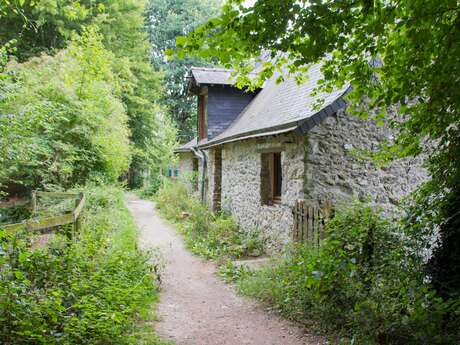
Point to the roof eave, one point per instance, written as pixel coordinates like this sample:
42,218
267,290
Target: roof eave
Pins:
299,126
182,150
254,134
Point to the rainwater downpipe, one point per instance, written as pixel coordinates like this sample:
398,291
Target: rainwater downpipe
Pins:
204,162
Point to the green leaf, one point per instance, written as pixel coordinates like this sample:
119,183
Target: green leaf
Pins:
181,41
19,275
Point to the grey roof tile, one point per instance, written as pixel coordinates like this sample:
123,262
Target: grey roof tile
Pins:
187,147
282,106
217,76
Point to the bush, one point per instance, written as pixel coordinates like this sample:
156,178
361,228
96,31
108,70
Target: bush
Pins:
15,214
172,200
363,284
62,119
95,290
206,234
153,187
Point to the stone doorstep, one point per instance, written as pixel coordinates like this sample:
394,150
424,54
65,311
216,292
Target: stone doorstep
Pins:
253,264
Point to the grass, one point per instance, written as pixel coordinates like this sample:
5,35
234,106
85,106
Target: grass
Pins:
212,236
99,289
362,286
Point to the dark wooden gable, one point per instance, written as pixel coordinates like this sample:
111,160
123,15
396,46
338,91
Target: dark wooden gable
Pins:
219,102
224,104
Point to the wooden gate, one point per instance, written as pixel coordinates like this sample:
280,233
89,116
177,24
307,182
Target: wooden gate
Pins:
309,222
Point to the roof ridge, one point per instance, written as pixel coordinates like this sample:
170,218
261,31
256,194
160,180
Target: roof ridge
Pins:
217,69
212,69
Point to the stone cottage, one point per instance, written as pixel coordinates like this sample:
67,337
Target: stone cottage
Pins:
258,152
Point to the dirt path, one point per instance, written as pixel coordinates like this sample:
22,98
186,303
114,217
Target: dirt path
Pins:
196,307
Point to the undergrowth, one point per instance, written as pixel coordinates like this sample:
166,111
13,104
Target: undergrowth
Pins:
365,285
213,236
96,290
151,188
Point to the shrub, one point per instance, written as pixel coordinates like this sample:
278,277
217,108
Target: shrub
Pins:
206,234
153,187
91,291
63,122
14,214
364,284
172,200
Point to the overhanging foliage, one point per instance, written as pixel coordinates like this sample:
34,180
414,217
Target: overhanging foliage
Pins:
401,57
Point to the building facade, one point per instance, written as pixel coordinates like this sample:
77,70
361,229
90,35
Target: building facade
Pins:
279,149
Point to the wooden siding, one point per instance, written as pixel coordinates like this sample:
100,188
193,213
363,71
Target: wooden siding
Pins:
224,105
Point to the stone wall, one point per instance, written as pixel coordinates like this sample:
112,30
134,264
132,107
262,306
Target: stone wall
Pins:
185,162
318,166
186,173
241,185
333,170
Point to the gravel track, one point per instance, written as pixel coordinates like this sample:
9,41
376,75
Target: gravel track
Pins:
196,307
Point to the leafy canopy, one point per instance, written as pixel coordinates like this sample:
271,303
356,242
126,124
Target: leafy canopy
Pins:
166,20
398,55
62,120
37,27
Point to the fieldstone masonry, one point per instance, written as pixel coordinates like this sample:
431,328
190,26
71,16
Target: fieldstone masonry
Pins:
333,171
241,185
319,166
186,162
186,171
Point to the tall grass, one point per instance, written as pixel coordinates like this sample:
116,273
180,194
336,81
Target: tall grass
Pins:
96,290
365,285
213,236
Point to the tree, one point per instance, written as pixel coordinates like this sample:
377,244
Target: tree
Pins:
61,122
152,132
399,55
167,19
39,26
36,27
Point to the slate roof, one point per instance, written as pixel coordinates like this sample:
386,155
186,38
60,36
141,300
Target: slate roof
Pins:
187,147
216,76
280,108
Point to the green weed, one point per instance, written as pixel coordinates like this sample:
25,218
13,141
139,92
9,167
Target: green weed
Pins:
365,285
230,272
213,236
96,290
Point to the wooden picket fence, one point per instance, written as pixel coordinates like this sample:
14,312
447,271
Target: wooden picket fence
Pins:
48,222
309,222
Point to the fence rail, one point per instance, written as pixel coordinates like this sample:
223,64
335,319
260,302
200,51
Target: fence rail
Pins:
42,223
309,222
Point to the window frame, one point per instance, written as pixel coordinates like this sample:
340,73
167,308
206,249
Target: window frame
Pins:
271,183
276,178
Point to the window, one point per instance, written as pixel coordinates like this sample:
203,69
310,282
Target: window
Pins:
202,116
271,178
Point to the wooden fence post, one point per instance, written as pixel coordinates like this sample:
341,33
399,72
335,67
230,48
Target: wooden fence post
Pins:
34,202
77,221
